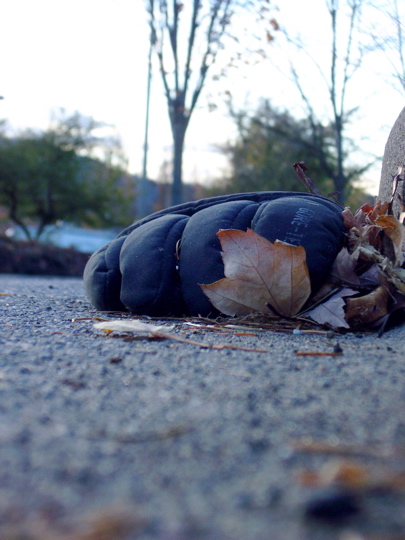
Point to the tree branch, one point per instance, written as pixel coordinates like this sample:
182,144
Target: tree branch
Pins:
191,40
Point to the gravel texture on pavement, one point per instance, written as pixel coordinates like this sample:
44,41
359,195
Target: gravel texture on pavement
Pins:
107,438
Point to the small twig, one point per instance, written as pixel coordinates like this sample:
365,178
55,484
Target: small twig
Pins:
219,347
102,319
317,353
317,332
334,196
308,182
170,433
325,447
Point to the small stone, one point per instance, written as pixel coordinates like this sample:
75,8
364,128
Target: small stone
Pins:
332,505
259,445
245,500
256,422
274,495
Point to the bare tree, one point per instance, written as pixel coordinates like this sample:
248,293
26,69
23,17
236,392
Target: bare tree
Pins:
187,38
346,53
387,32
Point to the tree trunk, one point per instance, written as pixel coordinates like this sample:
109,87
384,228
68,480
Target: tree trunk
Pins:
179,132
21,224
13,215
340,179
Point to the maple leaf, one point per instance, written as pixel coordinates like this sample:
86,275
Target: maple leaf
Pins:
259,275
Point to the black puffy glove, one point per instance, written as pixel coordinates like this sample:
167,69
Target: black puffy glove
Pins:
155,266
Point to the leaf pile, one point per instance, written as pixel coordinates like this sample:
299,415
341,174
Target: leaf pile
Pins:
365,288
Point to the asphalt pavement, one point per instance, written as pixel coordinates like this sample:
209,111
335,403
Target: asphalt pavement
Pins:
270,435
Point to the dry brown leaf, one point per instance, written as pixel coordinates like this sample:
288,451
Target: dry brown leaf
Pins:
353,475
371,277
344,472
161,332
341,472
259,274
332,311
337,448
395,231
366,214
369,308
379,209
110,524
344,267
396,276
135,326
348,219
367,224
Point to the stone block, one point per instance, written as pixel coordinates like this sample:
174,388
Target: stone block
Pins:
394,156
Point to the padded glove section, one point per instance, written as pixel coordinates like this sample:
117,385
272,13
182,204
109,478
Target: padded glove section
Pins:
137,271
304,222
150,282
102,277
200,250
191,208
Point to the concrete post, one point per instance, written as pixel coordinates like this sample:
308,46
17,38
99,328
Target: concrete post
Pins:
394,155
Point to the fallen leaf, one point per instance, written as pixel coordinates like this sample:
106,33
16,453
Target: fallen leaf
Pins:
132,326
349,220
364,227
259,274
344,268
110,524
336,447
372,212
396,276
161,332
332,311
352,475
369,308
344,272
346,473
371,277
395,231
396,313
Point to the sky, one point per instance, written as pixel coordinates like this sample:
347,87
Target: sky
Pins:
91,56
